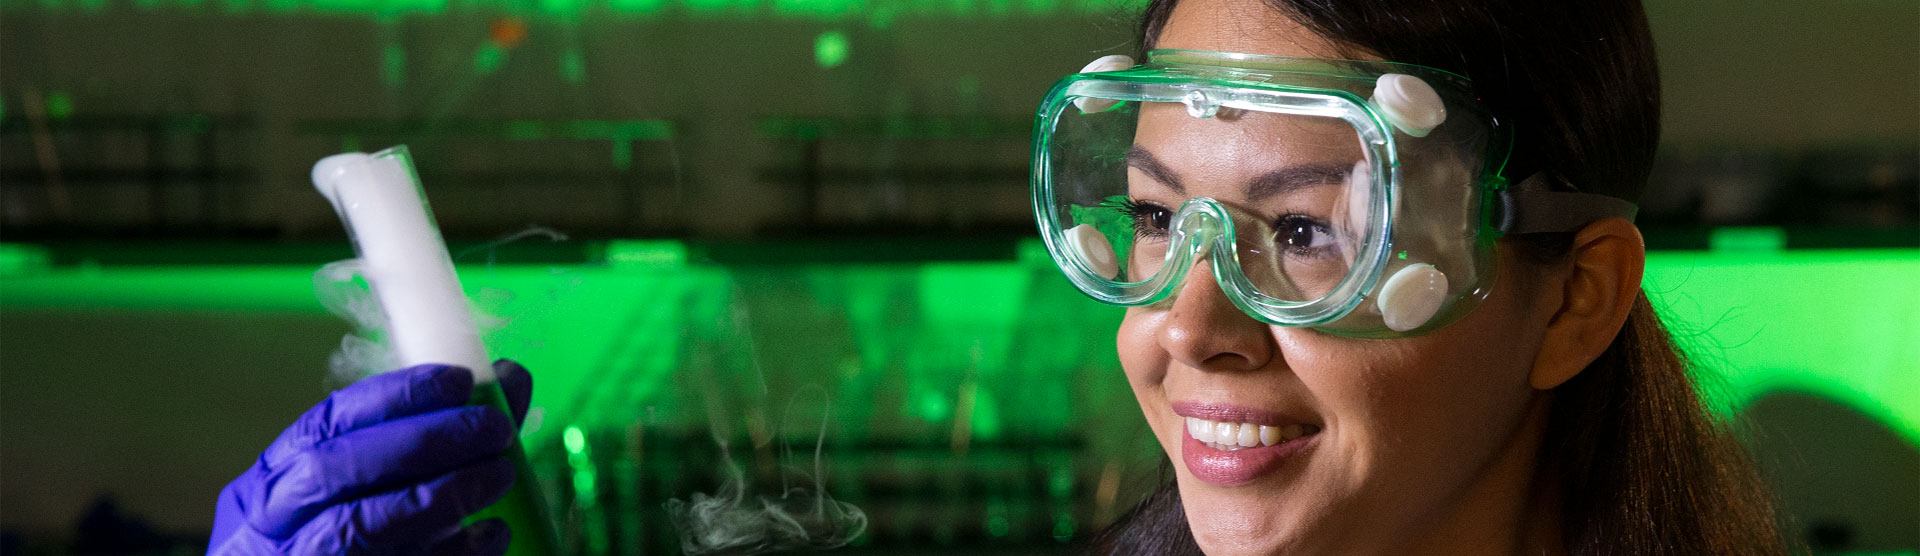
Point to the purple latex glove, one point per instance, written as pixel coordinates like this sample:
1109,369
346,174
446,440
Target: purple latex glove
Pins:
389,465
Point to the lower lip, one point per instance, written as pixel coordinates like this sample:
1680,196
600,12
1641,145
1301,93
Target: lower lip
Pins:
1238,467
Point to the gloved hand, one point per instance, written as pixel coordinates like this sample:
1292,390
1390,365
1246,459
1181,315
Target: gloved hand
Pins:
389,465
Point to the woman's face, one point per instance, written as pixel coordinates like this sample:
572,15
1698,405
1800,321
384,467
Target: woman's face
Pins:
1403,442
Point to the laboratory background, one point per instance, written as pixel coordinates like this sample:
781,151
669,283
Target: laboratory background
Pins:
726,236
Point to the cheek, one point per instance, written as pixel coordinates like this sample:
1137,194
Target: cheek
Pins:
1470,379
1146,366
1416,418
1437,391
1140,355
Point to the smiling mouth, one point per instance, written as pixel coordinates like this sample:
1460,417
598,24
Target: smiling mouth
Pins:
1230,436
1228,445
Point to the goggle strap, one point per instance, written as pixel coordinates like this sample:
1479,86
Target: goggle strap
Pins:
1531,208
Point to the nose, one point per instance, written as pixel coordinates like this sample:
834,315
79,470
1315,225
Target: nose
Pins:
1204,330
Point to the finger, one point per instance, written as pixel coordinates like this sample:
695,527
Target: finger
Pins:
408,519
374,459
518,384
245,542
383,397
230,508
485,538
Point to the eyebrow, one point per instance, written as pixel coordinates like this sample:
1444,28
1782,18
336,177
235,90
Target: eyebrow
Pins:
1292,178
1139,157
1284,180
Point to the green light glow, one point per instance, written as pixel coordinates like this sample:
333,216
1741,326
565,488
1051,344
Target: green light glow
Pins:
1748,239
720,8
620,129
817,9
830,49
1060,482
642,254
1844,325
584,487
880,19
488,59
516,130
18,260
891,127
563,8
393,66
611,342
585,474
637,6
575,440
997,517
934,407
573,66
622,154
59,105
329,6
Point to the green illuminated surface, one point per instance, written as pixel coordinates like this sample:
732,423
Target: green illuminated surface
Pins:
1748,239
16,259
649,338
1844,325
516,130
878,13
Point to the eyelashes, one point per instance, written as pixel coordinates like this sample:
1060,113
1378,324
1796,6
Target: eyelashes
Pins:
1149,218
1305,236
1299,234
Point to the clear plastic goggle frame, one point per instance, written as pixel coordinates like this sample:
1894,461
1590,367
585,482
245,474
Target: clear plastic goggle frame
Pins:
1404,225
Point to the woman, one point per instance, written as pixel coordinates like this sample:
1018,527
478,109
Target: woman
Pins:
1374,308
1556,417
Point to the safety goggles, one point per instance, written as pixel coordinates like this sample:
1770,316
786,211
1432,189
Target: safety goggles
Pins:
1359,198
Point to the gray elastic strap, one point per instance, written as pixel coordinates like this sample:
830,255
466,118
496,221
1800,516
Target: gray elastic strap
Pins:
1531,208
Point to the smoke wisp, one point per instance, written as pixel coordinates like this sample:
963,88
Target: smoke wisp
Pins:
733,521
343,290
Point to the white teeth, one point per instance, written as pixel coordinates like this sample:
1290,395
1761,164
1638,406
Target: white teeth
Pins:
1235,436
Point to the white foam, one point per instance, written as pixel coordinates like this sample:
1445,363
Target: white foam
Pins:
403,260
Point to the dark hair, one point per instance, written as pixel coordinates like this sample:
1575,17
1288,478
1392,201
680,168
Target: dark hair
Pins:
1643,469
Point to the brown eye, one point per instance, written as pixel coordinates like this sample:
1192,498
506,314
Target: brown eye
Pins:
1303,234
1148,217
1159,217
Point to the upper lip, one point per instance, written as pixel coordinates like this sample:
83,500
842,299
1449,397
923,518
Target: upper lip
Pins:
1236,414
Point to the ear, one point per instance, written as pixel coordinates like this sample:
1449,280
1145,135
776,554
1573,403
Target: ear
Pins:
1601,285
